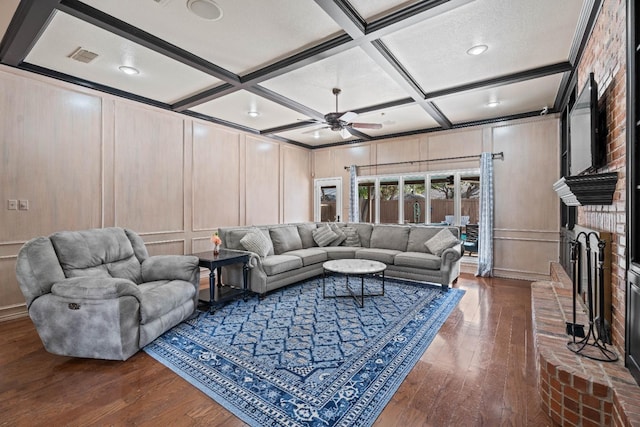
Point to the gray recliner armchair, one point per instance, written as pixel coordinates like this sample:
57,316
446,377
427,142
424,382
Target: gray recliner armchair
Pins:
98,294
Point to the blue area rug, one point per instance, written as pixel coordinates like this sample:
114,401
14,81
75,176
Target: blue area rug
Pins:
296,359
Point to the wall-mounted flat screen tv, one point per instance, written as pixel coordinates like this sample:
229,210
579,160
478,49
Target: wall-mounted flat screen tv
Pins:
586,151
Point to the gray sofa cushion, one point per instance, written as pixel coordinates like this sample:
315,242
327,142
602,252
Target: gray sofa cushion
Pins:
105,252
309,256
418,235
163,296
390,237
418,260
323,235
383,255
364,232
276,264
340,252
444,239
305,231
285,239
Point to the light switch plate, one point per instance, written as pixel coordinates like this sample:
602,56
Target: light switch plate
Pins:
23,205
12,205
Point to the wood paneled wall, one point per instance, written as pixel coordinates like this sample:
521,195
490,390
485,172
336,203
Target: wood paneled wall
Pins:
526,226
85,159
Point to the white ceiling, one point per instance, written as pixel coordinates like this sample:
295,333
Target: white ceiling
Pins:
402,64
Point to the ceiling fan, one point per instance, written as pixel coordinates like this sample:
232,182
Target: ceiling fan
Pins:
343,122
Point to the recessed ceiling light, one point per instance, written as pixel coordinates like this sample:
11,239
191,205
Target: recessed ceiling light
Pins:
253,113
316,134
478,49
493,104
128,70
205,9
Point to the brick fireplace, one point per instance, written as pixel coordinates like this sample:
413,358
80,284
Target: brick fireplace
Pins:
575,390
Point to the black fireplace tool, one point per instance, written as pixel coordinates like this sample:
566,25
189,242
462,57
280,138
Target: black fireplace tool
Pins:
593,345
573,328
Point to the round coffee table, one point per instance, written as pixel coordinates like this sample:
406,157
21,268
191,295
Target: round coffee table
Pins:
353,267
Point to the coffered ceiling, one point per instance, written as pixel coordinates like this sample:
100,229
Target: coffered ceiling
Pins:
269,66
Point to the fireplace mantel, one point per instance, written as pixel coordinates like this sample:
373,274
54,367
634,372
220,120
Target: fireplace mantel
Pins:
581,190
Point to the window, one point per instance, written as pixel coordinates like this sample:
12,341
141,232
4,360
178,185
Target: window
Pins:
441,198
389,205
414,200
367,201
450,197
469,199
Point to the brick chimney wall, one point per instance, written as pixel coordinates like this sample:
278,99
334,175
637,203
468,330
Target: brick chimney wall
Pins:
605,56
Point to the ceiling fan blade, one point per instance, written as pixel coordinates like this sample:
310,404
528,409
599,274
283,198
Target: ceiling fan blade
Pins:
315,130
366,125
348,116
344,133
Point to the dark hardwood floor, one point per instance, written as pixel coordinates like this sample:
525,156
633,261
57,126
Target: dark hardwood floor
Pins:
479,371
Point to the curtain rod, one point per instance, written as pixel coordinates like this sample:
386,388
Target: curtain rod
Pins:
499,155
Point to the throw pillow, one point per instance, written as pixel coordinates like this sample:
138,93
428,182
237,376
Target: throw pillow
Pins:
255,241
285,239
353,238
444,239
341,236
323,235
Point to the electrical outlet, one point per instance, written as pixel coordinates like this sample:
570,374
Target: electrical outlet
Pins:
12,205
23,205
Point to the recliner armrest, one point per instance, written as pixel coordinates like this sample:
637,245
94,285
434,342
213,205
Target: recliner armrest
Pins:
170,267
95,288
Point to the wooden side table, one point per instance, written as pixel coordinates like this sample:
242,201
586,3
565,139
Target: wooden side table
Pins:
215,263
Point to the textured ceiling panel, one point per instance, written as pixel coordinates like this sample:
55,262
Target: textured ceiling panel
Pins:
250,34
236,107
362,81
530,95
520,35
160,78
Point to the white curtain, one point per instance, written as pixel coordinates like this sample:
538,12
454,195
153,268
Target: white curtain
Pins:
354,213
485,229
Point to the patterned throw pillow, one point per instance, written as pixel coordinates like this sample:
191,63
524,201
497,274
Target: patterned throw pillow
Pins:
338,230
256,242
444,239
353,238
323,235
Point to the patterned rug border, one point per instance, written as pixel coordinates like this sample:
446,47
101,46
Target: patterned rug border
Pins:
446,302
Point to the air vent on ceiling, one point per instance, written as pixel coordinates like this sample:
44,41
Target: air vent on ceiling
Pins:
83,55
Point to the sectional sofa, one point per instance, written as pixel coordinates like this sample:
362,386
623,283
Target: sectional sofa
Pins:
283,254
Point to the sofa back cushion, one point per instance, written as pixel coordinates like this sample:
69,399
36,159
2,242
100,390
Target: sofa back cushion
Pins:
390,237
418,236
101,252
306,235
364,232
285,238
